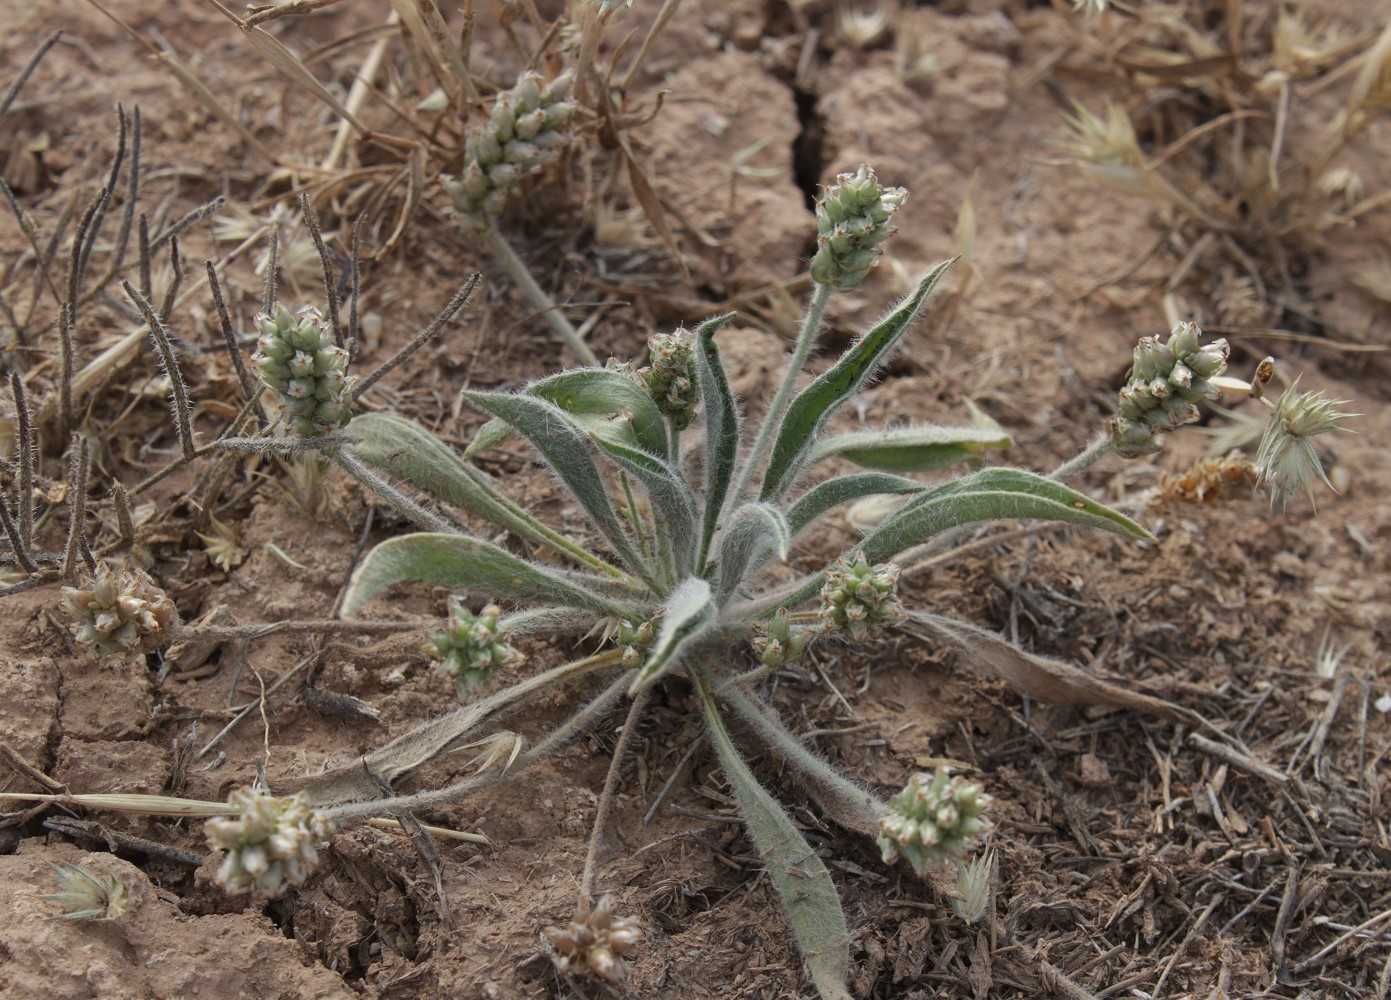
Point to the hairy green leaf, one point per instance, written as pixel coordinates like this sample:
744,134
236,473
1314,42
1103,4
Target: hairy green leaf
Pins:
404,448
564,446
989,495
604,392
493,433
800,876
910,449
842,489
476,566
687,615
846,802
673,500
721,427
755,530
813,406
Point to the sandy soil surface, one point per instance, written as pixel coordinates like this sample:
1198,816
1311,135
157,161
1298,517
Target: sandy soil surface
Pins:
1131,859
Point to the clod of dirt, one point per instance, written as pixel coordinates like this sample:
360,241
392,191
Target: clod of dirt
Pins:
154,951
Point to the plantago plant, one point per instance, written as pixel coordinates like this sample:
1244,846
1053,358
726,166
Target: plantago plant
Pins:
679,580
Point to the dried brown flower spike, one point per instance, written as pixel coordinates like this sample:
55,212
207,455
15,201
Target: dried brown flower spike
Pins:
594,943
123,612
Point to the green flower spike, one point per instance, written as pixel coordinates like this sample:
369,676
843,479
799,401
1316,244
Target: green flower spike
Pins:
123,612
671,377
271,843
1286,458
857,597
1164,382
471,648
931,819
851,221
527,129
306,369
781,644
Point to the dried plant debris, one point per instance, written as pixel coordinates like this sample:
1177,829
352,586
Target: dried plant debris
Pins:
594,943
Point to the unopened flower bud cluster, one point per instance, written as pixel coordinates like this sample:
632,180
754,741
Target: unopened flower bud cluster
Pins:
781,644
594,943
306,369
857,598
1165,381
271,843
931,819
851,221
471,647
525,131
670,377
635,641
120,612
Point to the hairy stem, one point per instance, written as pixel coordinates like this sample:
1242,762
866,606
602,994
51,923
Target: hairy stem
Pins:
517,268
1098,449
601,815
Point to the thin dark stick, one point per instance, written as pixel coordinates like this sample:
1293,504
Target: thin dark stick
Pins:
26,224
122,244
183,411
79,239
187,220
330,281
65,328
78,468
100,216
24,456
272,265
79,829
143,235
229,336
177,265
28,69
455,304
21,551
124,523
354,284
13,320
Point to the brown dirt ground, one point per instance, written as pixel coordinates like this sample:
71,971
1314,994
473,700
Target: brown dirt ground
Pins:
1129,859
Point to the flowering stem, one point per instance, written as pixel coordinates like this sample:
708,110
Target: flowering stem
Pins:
784,395
605,806
1098,449
517,268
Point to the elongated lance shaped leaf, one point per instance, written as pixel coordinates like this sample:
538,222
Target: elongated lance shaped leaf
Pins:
846,802
801,878
477,566
564,446
591,392
672,497
910,449
686,616
721,427
404,448
602,391
842,489
813,406
989,495
755,530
